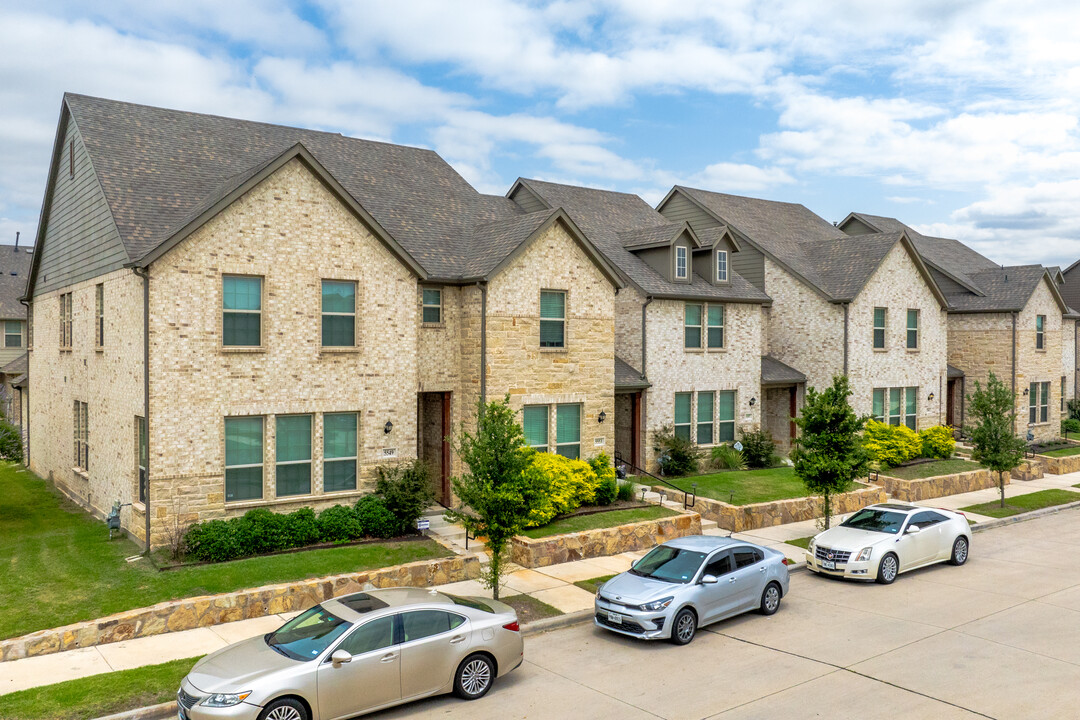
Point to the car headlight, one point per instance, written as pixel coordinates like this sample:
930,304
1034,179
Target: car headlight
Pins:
657,604
219,700
811,545
864,554
599,588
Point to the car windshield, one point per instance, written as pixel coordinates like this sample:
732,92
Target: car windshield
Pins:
669,564
876,520
307,634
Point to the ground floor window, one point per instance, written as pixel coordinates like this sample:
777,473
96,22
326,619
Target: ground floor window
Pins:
82,436
243,458
715,416
339,452
535,423
1038,402
896,406
142,454
726,416
292,436
705,418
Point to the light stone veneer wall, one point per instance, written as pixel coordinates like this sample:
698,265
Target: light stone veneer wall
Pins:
628,326
294,233
109,380
1044,365
671,368
583,372
1068,361
898,286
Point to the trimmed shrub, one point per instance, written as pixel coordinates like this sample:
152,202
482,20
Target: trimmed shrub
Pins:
626,490
1070,425
725,457
375,517
758,448
570,483
10,442
407,492
261,531
890,445
212,541
601,465
938,442
302,527
607,488
339,523
607,492
675,455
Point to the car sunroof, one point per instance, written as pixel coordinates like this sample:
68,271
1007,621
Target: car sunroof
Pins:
361,602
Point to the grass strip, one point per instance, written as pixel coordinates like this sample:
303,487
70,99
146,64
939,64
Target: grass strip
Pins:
593,584
1063,452
1024,503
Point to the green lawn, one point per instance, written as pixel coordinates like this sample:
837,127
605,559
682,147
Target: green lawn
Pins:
577,523
98,695
58,566
1063,452
743,487
803,542
593,584
1024,503
932,469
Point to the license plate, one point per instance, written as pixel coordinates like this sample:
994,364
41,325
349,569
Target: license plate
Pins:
614,617
828,564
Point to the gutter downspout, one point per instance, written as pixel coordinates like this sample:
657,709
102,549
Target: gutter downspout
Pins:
25,417
846,307
648,300
145,275
1076,345
483,341
1014,369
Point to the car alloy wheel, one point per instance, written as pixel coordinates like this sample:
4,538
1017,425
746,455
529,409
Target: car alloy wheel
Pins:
474,677
685,626
959,551
888,569
770,599
286,709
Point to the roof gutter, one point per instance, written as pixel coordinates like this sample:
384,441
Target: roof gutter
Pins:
644,335
145,275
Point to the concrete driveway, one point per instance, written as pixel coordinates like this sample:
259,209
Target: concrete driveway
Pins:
998,638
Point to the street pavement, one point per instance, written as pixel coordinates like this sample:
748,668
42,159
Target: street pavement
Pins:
998,638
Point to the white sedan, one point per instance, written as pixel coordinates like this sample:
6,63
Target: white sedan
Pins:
881,541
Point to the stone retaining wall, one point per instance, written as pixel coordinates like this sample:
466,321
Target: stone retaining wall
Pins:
189,613
938,486
739,518
541,552
1028,470
1059,465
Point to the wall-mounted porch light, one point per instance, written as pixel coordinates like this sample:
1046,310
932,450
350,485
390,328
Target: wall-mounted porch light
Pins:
601,417
388,427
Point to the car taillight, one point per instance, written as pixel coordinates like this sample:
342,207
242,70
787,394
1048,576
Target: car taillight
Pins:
788,561
512,626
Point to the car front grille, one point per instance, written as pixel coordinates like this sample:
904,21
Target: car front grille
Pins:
824,553
626,626
609,601
185,700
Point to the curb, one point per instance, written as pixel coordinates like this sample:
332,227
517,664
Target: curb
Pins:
1022,517
164,711
556,623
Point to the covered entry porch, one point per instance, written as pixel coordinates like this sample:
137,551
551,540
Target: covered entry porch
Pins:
630,389
783,389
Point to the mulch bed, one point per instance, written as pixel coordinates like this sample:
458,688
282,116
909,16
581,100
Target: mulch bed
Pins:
1045,447
529,609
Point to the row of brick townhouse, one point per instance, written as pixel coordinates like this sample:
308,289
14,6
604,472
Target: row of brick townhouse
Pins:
228,314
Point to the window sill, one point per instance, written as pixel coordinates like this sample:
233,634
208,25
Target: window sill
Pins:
433,326
554,350
1040,350
717,350
337,350
693,349
913,350
232,349
337,495
79,472
138,507
881,350
99,349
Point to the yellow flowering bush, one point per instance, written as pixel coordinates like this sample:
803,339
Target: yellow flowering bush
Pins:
937,442
571,483
890,445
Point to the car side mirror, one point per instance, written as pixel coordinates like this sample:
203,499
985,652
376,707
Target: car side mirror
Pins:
708,580
912,529
340,656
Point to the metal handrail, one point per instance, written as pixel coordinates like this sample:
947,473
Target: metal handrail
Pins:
689,498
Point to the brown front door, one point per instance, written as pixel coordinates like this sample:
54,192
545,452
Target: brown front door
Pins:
950,398
432,444
793,394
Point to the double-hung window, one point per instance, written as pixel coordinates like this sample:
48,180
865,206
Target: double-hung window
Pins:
568,430
683,415
912,329
715,319
142,452
705,421
338,313
692,326
879,328
432,306
1040,332
82,436
725,425
552,319
895,403
896,406
681,269
293,454
1039,402
13,333
535,425
339,452
99,315
241,324
911,406
65,321
721,266
1063,381
243,458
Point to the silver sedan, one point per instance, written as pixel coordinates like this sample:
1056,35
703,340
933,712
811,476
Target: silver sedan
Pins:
690,582
356,654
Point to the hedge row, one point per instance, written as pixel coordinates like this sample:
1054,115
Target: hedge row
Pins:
892,445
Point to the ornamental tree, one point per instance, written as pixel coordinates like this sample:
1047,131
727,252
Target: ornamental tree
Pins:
993,436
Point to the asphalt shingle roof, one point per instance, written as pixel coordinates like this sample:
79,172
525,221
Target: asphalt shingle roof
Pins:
14,268
15,367
774,372
608,218
1004,289
161,168
627,378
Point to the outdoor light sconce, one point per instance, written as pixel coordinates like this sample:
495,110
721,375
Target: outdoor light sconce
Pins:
752,401
388,427
930,397
1025,391
601,417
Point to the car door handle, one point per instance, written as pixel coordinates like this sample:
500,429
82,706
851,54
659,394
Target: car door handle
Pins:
389,658
455,640
731,579
761,569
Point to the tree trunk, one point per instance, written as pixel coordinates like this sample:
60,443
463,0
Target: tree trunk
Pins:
826,502
1001,486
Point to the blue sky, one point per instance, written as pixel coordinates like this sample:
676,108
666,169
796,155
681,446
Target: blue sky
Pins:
959,118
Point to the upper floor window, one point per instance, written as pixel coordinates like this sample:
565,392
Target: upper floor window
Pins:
552,319
697,317
721,266
680,262
913,329
338,313
1040,332
99,315
879,328
432,306
715,315
241,311
30,327
692,326
13,333
65,321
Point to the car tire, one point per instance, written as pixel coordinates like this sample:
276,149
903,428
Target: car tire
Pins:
683,627
770,599
285,709
961,548
474,677
888,569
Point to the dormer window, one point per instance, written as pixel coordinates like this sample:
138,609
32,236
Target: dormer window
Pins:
721,266
680,262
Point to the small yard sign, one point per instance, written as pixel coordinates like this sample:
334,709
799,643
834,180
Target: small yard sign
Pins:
423,524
